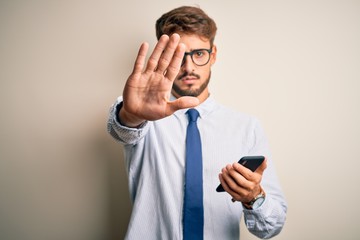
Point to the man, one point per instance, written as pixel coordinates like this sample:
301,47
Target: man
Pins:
151,121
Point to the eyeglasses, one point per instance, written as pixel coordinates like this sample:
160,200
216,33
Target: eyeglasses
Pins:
200,57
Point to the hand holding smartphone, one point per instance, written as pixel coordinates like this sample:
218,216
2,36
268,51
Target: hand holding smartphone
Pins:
250,162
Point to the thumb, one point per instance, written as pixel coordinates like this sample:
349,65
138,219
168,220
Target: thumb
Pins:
262,167
183,102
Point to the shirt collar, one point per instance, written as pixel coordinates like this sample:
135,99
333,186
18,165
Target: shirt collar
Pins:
204,108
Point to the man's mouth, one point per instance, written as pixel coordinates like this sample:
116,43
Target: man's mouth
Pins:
189,78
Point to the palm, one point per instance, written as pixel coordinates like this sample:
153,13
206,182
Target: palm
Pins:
147,95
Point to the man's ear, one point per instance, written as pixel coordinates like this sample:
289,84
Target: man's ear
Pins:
213,54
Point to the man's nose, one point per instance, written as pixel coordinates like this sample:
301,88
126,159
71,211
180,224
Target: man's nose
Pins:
187,63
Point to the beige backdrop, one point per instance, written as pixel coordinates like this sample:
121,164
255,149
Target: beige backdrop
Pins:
293,64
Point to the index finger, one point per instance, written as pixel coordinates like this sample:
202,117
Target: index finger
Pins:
246,172
262,167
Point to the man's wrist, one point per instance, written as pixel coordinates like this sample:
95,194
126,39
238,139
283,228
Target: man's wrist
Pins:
126,119
257,201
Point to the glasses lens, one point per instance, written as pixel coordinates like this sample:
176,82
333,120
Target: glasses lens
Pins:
200,57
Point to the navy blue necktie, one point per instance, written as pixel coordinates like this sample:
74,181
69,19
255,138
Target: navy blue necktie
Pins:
193,214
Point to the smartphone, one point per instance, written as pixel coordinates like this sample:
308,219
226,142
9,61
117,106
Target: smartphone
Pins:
250,162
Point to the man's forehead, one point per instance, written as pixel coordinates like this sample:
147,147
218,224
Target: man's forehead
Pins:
194,41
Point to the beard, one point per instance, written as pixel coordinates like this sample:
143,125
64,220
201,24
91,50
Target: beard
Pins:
190,92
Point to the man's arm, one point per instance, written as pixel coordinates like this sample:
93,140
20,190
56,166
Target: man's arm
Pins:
243,185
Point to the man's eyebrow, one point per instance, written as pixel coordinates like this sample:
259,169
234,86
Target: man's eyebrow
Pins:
194,49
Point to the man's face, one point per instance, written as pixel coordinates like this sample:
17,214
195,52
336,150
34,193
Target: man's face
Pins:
193,80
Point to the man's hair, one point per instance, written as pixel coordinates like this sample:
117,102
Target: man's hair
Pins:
186,20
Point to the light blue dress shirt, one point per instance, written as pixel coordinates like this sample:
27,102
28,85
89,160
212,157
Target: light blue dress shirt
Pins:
155,158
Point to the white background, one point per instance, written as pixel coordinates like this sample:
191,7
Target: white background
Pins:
293,64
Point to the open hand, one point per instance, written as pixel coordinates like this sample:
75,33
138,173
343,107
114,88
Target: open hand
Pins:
147,90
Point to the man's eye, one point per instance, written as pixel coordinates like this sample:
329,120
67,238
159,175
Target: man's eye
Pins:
199,53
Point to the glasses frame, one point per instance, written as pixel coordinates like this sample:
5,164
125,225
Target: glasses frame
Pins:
193,52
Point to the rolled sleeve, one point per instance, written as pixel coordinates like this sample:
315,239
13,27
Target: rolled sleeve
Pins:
266,221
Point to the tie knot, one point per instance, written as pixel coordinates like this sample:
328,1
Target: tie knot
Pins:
193,114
